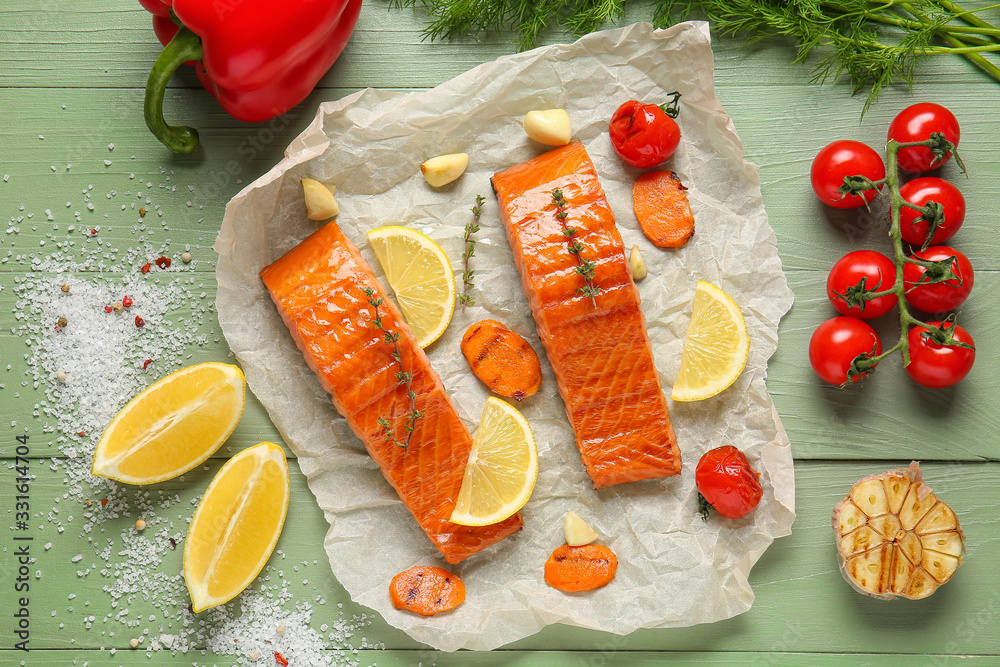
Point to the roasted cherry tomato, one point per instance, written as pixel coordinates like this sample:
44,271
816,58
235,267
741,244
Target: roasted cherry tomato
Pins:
938,297
845,158
935,365
916,123
921,190
726,480
858,272
643,135
837,343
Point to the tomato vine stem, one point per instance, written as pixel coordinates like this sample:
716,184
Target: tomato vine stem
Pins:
867,362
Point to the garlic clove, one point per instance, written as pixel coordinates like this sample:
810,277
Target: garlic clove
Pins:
320,204
444,169
636,264
577,532
551,127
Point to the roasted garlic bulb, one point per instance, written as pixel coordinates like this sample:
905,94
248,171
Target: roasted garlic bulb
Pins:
895,538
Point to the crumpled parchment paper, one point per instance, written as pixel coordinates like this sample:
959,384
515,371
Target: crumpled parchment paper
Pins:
674,569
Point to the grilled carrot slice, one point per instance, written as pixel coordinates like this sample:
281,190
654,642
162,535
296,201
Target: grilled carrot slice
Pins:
585,568
662,209
426,590
502,360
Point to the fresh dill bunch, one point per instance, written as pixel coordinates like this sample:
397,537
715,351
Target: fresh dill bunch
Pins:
873,43
468,275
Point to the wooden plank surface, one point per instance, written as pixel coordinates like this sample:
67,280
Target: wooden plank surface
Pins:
72,84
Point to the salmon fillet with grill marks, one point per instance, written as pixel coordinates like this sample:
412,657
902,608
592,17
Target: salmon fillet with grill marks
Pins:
601,355
317,287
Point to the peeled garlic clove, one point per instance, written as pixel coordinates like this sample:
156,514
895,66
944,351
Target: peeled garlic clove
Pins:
895,538
577,531
636,264
320,204
551,127
444,169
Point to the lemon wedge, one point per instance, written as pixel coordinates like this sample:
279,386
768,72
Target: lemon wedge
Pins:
420,275
236,525
173,425
716,347
502,467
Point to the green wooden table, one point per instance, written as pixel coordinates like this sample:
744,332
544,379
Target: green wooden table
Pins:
72,83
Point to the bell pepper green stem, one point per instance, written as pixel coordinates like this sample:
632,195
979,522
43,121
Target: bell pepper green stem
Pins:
183,47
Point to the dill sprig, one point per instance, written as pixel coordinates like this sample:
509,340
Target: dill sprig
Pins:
471,228
875,43
403,377
585,267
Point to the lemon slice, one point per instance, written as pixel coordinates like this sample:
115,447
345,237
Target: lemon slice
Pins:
236,525
420,274
173,425
502,467
716,347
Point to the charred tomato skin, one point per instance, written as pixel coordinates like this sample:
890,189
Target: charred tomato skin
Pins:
938,297
643,135
921,190
939,366
726,480
916,123
836,343
845,157
880,274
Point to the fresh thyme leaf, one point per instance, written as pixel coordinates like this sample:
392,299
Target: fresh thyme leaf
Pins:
471,228
873,43
403,377
585,267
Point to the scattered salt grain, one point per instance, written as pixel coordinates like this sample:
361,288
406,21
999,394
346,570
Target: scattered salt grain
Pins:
107,163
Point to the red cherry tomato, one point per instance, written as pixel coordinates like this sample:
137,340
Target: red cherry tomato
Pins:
915,123
843,285
726,480
845,158
838,342
935,365
643,135
938,297
921,190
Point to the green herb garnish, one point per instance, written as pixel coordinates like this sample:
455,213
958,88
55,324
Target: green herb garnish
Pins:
403,377
586,267
471,228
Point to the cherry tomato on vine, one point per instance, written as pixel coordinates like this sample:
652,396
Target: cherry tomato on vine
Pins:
837,343
643,135
916,123
845,158
844,286
935,365
943,296
726,480
921,190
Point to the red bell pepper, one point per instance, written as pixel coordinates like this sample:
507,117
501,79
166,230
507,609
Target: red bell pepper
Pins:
258,58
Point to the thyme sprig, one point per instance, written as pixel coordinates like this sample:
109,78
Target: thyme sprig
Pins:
471,228
403,377
937,270
874,42
585,267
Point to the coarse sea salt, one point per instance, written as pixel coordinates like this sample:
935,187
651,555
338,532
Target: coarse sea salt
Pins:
101,356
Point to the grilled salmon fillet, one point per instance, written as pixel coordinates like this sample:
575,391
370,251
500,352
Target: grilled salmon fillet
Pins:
318,289
601,354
